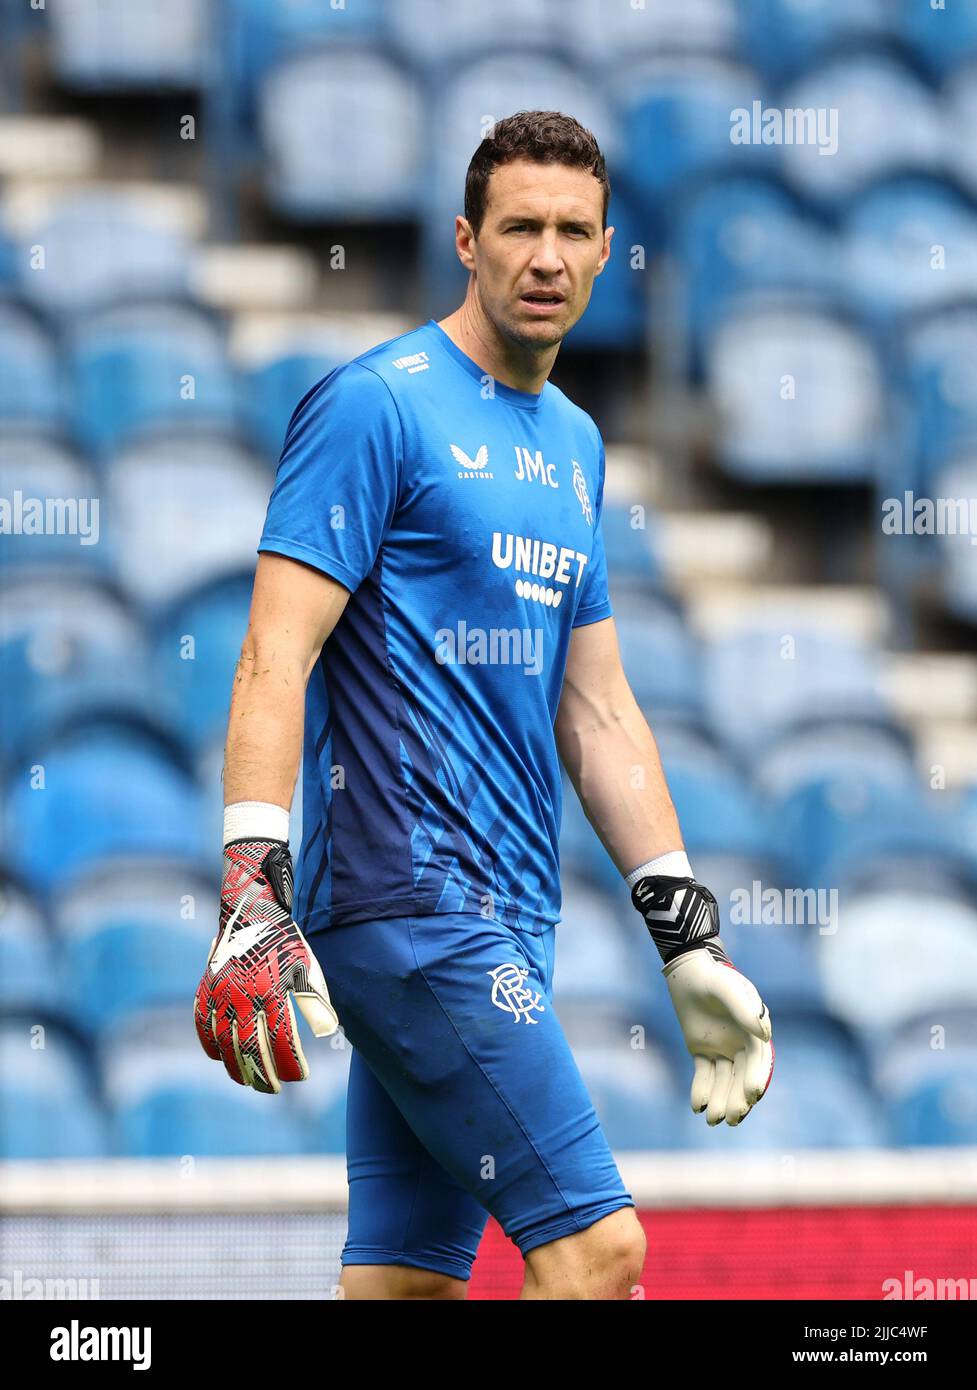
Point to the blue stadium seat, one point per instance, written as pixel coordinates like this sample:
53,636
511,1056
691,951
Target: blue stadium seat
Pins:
207,492
875,975
758,689
940,1109
102,246
134,936
677,122
768,927
31,390
216,617
68,646
263,31
616,315
660,658
601,953
634,1094
836,747
8,263
609,35
340,130
329,1128
720,813
272,392
739,238
107,791
167,1098
686,742
126,45
782,37
581,851
885,122
812,1042
59,515
936,376
940,36
438,34
814,1101
633,548
321,1099
925,1069
848,822
889,260
960,95
798,395
144,368
48,1105
31,978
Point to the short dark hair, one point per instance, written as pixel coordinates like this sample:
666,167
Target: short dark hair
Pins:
544,137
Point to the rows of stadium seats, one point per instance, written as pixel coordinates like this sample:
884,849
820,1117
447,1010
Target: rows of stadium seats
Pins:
790,776
99,1054
113,754
116,389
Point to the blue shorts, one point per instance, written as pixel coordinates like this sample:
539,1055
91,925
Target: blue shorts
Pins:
464,1097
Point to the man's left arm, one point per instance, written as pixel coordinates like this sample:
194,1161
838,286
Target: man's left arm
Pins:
612,759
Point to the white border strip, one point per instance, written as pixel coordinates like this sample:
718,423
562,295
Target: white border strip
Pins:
810,1177
838,1177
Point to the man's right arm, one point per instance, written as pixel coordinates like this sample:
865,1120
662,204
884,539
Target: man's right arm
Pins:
259,958
294,608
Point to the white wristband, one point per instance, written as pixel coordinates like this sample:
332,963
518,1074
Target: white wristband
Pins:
675,863
255,820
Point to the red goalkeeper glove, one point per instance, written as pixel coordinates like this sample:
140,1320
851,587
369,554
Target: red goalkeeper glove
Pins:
259,958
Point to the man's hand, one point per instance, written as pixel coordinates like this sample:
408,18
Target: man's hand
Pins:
725,1023
259,958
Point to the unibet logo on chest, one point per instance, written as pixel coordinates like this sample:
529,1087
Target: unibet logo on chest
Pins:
543,560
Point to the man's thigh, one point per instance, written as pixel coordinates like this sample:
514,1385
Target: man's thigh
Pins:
454,1016
404,1209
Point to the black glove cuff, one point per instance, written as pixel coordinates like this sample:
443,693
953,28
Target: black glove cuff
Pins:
680,914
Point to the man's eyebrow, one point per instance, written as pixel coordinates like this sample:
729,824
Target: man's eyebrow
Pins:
532,219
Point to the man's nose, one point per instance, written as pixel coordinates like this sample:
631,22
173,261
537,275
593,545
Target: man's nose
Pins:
546,254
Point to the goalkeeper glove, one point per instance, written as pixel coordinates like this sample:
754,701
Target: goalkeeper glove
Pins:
725,1023
243,1010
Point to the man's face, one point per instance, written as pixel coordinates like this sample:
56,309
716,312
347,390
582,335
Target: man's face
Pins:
539,247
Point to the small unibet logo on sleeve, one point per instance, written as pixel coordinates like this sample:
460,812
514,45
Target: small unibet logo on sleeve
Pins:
82,1343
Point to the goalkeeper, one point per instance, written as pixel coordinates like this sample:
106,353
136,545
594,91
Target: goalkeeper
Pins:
431,608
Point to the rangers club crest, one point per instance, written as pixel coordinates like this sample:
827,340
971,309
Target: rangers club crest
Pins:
509,992
580,488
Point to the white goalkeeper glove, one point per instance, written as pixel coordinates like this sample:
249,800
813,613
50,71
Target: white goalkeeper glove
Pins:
725,1023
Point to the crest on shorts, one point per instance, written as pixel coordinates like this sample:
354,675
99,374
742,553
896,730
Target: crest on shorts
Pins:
509,992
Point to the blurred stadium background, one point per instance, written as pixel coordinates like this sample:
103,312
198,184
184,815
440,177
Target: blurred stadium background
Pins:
208,204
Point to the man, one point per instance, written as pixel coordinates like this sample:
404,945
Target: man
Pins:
431,596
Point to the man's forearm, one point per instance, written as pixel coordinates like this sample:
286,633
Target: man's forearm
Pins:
613,762
264,731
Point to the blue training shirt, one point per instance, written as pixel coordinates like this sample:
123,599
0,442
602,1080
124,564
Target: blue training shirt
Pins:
464,518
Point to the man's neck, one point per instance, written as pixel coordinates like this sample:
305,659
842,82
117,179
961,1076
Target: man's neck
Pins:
504,361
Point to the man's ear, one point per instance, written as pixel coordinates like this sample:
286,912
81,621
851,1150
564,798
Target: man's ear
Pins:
608,235
464,239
